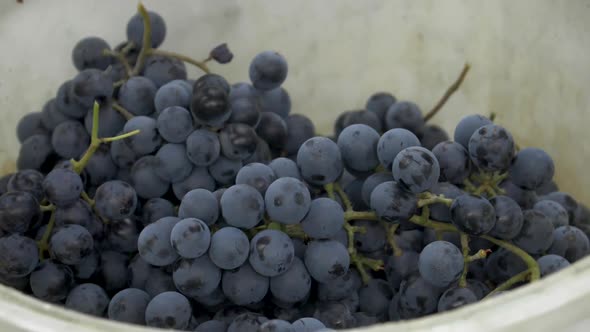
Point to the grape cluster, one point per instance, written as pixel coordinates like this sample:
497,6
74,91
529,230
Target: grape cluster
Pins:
146,197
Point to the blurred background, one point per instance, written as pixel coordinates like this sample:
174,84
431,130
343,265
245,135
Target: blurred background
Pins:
529,58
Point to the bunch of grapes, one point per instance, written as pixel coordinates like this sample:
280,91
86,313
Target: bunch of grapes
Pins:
146,197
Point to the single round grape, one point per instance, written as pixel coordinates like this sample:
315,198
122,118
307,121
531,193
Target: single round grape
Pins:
292,286
326,260
417,298
553,210
455,297
246,322
416,169
172,164
392,203
154,242
319,161
531,168
51,281
358,146
88,53
271,252
491,148
196,277
156,208
570,243
299,129
29,125
256,175
87,267
129,306
174,124
122,154
340,287
276,101
243,286
168,310
18,211
284,167
467,126
245,110
272,129
201,204
90,86
525,198
115,200
100,167
242,90
441,263
566,201
70,139
238,141
51,117
551,263
67,103
173,94
242,206
308,324
135,29
36,152
371,183
536,234
324,219
210,100
110,121
137,95
70,244
198,179
163,69
455,165
503,264
287,200
28,180
203,147
398,268
392,142
89,299
212,326
405,114
145,181
190,238
359,117
229,248
374,298
509,217
472,214
268,70
20,256
147,140
379,103
433,135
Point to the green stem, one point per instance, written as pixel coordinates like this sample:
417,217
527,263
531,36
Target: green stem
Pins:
147,39
329,187
424,221
397,251
429,198
87,198
521,277
122,60
343,196
124,112
481,254
201,65
465,248
531,263
47,208
360,215
44,243
119,137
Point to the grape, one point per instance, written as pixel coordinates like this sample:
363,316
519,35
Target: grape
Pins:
122,154
417,298
172,164
292,286
455,297
398,268
35,152
525,198
441,263
198,179
173,94
299,129
203,147
212,326
62,187
340,287
262,154
89,299
536,234
114,270
215,299
287,200
196,277
531,168
256,175
272,129
200,204
70,139
20,256
145,181
238,141
243,90
406,115
324,219
503,264
190,238
210,100
147,140
156,208
154,242
326,260
509,218
87,267
379,103
51,282
268,70
467,126
90,86
319,161
554,211
570,243
246,322
276,325
374,298
243,286
174,124
551,263
229,248
440,211
547,188
168,310
392,142
100,167
70,244
245,110
242,206
308,324
416,169
565,200
139,272
110,121
163,69
491,148
455,165
88,53
371,183
18,211
472,214
271,253
51,117
159,282
129,306
359,117
67,104
433,135
137,95
392,203
334,315
276,101
479,288
358,146
115,200
284,167
28,180
30,125
135,29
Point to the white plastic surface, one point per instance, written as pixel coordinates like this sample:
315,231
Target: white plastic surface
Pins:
529,61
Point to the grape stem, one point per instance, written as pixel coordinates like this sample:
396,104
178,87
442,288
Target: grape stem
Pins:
343,197
521,277
465,249
47,208
124,112
330,190
87,198
450,91
199,64
488,183
119,56
429,198
397,251
43,244
360,215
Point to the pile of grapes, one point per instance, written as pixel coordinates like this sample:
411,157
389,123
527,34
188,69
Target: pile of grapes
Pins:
145,197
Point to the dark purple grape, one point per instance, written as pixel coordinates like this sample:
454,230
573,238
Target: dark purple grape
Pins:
473,215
